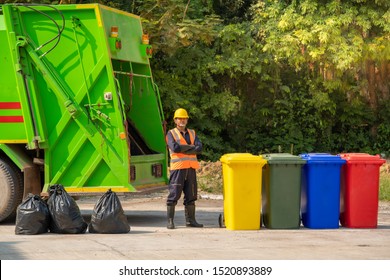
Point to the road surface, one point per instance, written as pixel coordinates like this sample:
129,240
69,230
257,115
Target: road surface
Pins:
149,239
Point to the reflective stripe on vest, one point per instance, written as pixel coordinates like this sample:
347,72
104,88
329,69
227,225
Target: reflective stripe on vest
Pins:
180,160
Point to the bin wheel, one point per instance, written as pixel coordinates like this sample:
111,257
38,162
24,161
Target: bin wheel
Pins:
221,221
261,219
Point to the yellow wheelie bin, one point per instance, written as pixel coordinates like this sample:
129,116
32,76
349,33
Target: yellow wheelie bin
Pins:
242,179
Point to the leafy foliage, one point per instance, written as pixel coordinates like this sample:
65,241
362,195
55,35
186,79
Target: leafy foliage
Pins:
267,76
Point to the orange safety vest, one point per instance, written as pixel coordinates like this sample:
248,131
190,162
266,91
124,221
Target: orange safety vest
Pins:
180,160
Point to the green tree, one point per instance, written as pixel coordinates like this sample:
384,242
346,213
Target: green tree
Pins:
341,49
343,42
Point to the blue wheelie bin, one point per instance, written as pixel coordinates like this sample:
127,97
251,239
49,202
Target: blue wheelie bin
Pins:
320,191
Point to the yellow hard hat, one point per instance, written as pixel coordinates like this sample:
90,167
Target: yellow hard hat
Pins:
181,113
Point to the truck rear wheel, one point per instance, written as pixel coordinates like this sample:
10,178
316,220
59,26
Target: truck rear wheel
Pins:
11,189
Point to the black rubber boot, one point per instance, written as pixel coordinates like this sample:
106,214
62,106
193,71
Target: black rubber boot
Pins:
170,215
190,216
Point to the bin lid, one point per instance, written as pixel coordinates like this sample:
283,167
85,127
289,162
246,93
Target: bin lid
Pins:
283,158
362,158
322,158
242,158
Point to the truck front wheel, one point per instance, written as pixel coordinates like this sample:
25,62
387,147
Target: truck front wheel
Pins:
11,189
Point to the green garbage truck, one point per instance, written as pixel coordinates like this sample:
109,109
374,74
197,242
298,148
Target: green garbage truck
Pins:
78,104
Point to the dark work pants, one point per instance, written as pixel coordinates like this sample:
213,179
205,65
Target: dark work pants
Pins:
182,180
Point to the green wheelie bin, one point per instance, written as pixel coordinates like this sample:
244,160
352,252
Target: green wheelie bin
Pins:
281,191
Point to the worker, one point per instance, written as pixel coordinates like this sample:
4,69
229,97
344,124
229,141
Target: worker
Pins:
183,145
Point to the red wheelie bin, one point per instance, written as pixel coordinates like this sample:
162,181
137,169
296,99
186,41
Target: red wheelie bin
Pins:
359,190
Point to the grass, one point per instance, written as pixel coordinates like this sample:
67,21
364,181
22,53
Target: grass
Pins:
384,184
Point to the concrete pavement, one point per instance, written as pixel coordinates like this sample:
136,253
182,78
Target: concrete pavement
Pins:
149,239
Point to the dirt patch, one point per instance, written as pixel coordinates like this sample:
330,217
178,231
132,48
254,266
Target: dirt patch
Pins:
210,177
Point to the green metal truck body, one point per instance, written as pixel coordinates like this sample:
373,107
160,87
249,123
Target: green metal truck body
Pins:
78,105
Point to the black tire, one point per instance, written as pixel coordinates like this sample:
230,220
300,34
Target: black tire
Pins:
261,219
11,189
221,221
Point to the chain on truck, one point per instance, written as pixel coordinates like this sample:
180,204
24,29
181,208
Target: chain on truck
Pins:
78,105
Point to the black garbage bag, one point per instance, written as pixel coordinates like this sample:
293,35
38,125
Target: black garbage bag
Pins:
32,216
108,215
64,212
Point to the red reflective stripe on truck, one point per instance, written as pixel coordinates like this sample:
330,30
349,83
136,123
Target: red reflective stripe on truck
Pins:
11,119
10,105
